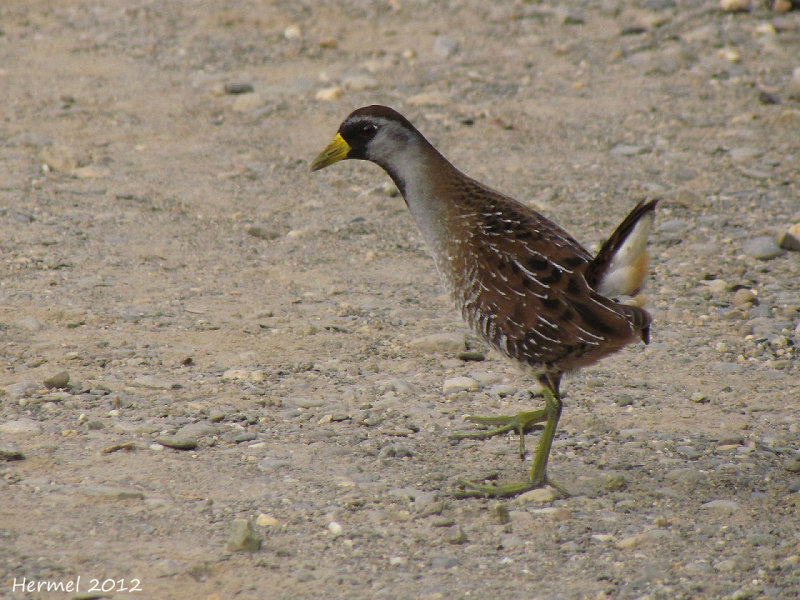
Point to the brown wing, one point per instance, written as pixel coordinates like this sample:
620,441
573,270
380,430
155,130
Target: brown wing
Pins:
525,289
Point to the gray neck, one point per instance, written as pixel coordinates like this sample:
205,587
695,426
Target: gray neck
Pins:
415,170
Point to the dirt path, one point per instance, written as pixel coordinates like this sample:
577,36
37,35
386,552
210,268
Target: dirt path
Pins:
164,244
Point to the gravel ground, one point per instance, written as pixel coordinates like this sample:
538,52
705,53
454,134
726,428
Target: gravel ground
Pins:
224,376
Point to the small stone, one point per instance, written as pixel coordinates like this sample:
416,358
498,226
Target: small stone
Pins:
11,455
292,32
242,537
762,248
790,240
265,520
21,389
699,397
247,102
58,157
627,150
793,464
727,506
398,561
91,172
698,567
744,154
335,529
460,384
262,233
236,88
429,99
717,286
30,324
734,5
471,355
359,83
196,430
449,343
444,47
329,94
539,495
744,296
177,442
59,380
793,88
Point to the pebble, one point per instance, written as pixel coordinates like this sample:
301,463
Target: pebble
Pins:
292,32
790,240
111,492
152,382
11,455
58,157
460,384
444,47
265,520
255,376
247,102
59,380
717,286
335,529
449,343
236,88
242,537
793,88
540,496
763,247
21,389
744,296
30,324
502,391
793,464
262,233
359,83
634,541
471,355
196,430
91,172
398,561
329,94
734,5
177,442
744,154
429,99
727,506
627,150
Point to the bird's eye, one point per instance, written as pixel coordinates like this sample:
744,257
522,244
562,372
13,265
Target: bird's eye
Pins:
369,129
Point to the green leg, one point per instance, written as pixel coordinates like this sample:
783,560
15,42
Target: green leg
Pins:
522,423
538,474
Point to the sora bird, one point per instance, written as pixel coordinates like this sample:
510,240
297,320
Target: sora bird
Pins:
519,280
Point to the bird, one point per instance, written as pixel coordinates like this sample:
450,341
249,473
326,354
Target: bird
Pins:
519,280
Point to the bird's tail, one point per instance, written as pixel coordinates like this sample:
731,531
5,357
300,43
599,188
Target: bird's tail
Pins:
620,266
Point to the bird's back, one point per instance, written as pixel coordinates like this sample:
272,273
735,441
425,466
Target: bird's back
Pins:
520,281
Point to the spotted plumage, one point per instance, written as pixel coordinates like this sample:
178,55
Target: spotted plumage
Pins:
519,280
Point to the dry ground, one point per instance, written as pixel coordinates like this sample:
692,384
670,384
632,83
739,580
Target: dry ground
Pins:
163,243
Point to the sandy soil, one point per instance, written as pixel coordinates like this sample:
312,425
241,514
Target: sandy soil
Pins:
164,245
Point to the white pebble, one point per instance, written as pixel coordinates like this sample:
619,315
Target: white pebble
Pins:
335,529
329,93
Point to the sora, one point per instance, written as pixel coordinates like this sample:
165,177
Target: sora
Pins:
520,281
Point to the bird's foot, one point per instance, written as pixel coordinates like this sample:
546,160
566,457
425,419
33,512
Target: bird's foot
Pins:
521,423
470,489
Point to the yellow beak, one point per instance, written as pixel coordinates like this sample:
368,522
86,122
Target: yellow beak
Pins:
337,150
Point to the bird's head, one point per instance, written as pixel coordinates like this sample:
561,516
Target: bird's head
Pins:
373,133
